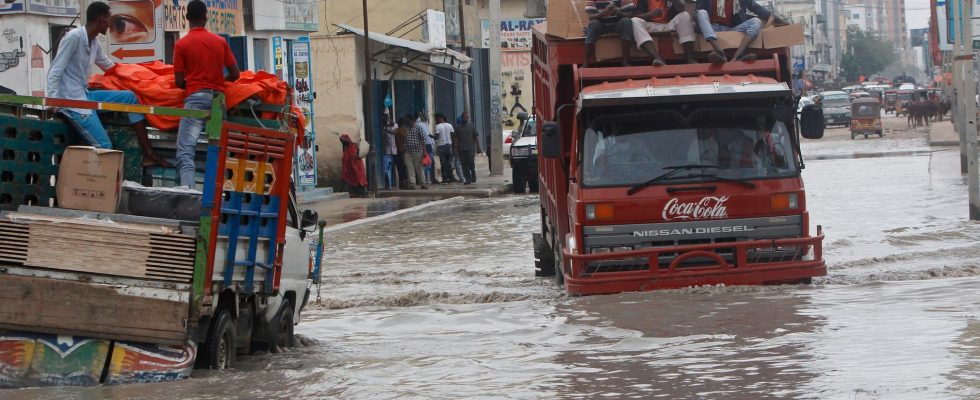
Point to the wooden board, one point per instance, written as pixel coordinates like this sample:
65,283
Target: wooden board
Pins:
97,247
82,309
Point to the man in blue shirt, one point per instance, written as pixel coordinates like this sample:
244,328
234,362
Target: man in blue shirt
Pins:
68,79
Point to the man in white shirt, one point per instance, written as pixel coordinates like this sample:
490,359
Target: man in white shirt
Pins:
444,141
68,79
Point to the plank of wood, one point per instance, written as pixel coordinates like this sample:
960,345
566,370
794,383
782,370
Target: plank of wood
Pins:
91,223
38,304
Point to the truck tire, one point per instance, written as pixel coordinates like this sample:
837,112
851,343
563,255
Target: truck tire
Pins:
517,177
284,327
220,346
559,266
544,257
532,184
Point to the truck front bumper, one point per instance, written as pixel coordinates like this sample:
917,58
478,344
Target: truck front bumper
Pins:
756,262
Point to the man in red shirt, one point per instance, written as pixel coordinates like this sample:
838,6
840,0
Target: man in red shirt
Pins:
200,58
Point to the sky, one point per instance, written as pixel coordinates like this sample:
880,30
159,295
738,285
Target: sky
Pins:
917,14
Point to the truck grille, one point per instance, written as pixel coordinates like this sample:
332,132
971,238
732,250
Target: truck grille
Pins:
718,233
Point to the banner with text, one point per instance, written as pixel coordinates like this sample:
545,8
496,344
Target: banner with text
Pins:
515,34
12,6
224,16
61,8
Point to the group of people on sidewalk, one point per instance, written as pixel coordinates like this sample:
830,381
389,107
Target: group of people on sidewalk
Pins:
634,20
410,148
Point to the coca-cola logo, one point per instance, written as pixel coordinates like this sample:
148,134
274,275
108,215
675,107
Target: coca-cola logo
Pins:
707,208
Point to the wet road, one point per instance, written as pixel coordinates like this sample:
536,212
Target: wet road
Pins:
446,306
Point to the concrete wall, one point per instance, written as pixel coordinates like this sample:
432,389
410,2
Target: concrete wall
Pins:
338,106
24,68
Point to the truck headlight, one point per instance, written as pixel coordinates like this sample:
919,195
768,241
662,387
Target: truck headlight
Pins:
520,151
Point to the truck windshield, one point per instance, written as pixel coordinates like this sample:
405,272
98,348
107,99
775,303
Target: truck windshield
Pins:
627,149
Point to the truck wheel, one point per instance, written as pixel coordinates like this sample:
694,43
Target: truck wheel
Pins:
284,327
517,177
559,267
532,184
544,261
221,342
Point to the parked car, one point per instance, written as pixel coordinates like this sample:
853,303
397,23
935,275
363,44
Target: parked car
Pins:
524,156
508,141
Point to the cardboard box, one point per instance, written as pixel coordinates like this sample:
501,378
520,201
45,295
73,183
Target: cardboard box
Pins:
567,18
727,40
90,179
611,48
782,36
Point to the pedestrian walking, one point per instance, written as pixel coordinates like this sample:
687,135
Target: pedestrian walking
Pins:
430,142
200,61
457,160
391,150
414,146
468,145
444,141
401,133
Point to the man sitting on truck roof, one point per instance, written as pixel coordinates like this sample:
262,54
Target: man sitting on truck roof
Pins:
605,17
68,79
731,15
663,16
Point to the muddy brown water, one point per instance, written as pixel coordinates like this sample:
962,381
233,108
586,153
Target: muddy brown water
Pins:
445,305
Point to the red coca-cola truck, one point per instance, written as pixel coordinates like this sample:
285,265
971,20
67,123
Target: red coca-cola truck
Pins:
672,176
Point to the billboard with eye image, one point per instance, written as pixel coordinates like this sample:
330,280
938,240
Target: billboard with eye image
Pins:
136,30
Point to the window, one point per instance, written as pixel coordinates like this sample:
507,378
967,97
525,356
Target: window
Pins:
261,49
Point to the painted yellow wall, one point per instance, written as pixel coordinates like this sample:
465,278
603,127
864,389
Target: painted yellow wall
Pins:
338,102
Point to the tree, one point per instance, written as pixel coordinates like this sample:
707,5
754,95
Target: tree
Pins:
867,54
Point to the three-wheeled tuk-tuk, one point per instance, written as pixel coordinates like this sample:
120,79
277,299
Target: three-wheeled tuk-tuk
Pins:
890,101
865,117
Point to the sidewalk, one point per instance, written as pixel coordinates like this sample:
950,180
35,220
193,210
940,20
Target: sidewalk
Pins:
942,134
485,186
341,211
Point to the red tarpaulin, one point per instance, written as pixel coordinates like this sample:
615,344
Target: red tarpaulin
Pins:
154,84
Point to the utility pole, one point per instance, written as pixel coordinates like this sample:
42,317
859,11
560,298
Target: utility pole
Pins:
372,171
496,89
466,50
963,65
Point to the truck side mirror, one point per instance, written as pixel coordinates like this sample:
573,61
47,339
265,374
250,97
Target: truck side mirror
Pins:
309,219
811,122
551,140
523,116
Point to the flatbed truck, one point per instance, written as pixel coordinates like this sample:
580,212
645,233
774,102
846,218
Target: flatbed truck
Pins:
128,297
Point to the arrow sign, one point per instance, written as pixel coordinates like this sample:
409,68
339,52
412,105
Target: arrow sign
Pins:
122,53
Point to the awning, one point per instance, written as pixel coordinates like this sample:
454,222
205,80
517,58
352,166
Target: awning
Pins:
439,57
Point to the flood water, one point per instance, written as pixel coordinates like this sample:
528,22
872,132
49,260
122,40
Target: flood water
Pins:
445,305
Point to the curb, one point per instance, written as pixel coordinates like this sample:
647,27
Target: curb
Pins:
394,214
472,193
324,198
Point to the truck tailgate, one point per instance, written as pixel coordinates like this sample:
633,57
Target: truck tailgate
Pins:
116,311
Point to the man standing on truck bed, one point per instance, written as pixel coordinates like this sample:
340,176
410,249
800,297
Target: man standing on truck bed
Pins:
732,15
200,58
605,17
68,79
663,16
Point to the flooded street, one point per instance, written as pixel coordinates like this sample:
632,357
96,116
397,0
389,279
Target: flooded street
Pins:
446,305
